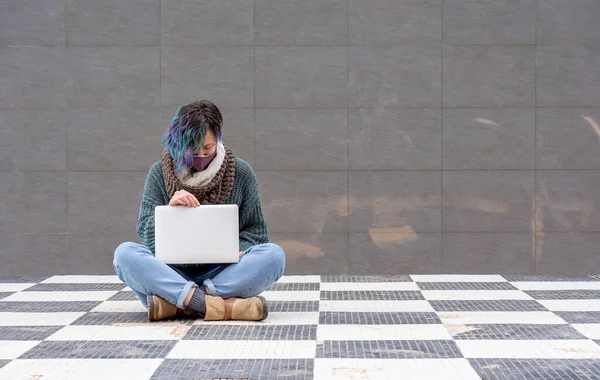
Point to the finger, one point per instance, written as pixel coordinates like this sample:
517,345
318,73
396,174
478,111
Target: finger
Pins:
181,201
194,200
190,199
187,201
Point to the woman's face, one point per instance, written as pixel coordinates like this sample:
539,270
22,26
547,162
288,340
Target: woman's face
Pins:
210,145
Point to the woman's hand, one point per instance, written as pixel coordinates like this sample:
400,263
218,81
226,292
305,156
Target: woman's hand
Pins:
241,253
184,198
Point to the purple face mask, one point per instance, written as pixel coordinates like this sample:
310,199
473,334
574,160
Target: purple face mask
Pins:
201,163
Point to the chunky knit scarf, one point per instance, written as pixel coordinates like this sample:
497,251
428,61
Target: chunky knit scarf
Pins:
214,192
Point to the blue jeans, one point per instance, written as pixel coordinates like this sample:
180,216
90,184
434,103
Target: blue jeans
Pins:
259,267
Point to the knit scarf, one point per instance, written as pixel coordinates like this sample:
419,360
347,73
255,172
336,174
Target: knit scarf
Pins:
214,192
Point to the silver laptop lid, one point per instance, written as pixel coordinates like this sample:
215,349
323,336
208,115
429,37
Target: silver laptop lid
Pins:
207,234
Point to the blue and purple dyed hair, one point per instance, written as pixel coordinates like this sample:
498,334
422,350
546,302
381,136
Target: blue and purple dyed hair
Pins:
185,136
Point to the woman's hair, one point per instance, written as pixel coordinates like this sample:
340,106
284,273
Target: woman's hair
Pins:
188,129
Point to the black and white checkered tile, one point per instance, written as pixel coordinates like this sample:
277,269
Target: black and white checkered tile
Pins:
319,327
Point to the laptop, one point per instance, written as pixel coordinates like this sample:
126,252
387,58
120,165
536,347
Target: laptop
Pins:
208,234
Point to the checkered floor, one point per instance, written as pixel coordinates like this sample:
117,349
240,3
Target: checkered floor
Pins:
319,327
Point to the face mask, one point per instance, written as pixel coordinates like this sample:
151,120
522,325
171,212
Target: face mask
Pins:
201,163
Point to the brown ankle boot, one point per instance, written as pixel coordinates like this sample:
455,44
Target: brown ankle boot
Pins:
159,309
239,309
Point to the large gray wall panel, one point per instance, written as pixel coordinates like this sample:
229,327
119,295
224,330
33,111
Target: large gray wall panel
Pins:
390,136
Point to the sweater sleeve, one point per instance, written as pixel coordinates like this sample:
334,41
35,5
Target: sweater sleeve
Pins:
154,195
253,227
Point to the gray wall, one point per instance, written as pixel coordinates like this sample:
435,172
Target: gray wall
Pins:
389,136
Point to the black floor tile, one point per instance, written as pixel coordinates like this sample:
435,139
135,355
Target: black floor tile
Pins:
87,287
255,369
110,318
548,277
514,332
303,286
48,306
22,279
101,349
579,316
27,332
124,296
384,278
251,332
5,294
372,295
368,318
487,305
536,369
580,294
466,286
293,306
388,349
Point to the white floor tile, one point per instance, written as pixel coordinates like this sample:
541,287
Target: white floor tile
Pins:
382,332
59,296
120,306
405,369
571,305
556,285
530,349
243,349
292,296
14,287
500,317
12,349
299,279
37,319
292,318
475,295
336,286
457,278
376,306
89,369
119,333
590,330
70,279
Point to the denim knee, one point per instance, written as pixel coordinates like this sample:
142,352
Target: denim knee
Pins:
276,258
123,255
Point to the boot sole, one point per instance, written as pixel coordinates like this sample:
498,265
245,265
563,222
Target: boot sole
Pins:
265,308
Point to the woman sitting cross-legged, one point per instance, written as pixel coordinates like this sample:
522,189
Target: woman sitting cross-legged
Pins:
197,169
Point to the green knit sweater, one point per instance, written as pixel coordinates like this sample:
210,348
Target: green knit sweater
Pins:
245,194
